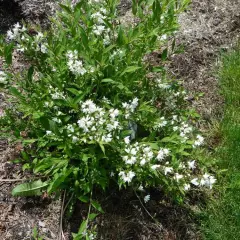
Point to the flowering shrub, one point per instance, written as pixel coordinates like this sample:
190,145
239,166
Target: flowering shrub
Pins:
89,108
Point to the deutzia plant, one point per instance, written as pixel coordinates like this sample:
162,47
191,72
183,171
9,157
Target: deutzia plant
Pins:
95,111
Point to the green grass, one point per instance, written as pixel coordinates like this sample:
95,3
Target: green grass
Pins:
222,217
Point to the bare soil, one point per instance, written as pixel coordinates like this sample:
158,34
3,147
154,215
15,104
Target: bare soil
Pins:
207,28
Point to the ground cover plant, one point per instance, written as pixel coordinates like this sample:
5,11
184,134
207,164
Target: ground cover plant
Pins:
222,216
90,111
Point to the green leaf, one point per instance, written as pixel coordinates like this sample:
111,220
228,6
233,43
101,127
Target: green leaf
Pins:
50,163
74,91
65,8
92,216
16,93
97,206
29,189
8,53
83,227
30,73
37,115
84,38
84,199
164,54
53,126
108,80
29,141
59,179
130,69
102,147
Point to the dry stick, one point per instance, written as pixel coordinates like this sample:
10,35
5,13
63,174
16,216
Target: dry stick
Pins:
149,214
61,217
68,203
63,236
13,180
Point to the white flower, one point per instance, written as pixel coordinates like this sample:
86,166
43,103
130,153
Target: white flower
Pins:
75,65
39,36
43,48
167,170
143,162
107,138
133,151
175,117
166,151
154,167
162,37
150,154
131,106
195,181
106,40
48,132
127,139
208,180
140,188
146,198
98,17
178,176
106,100
199,141
127,177
134,103
131,160
112,174
175,128
191,164
113,113
89,107
16,31
98,29
57,120
57,95
187,187
162,153
75,139
10,35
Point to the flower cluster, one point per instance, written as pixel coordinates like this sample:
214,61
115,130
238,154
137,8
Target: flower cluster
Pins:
55,93
15,32
136,153
127,177
97,123
39,43
206,180
162,85
130,107
199,141
100,16
75,65
139,158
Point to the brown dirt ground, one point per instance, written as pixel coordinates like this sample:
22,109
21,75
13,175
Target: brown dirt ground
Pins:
207,28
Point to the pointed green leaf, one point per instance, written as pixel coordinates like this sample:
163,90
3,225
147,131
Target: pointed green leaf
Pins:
97,206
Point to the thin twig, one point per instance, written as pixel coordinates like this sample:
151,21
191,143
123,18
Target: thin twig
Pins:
64,210
13,180
61,217
63,236
149,214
